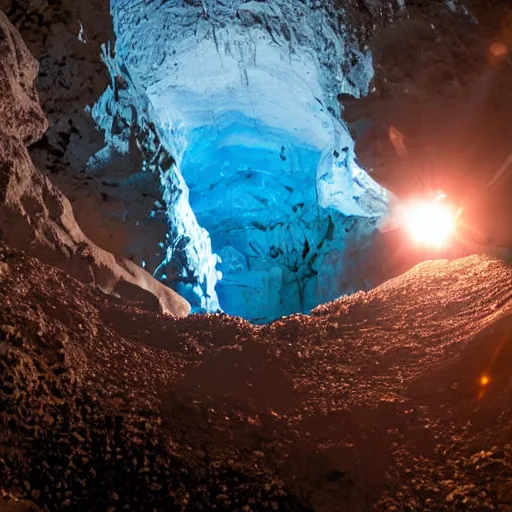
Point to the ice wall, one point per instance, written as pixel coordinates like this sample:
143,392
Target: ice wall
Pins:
242,96
188,264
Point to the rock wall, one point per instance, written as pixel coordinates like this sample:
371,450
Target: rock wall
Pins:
442,85
34,215
111,207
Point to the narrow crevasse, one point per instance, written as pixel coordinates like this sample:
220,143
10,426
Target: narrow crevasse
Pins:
239,100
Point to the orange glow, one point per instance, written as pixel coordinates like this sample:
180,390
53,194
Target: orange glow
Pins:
430,223
498,49
484,380
497,52
397,139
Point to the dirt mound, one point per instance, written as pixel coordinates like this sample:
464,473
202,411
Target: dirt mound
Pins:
375,400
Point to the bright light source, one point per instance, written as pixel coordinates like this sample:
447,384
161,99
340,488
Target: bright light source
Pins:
484,380
430,223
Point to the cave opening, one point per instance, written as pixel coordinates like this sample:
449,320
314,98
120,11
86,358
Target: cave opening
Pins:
268,213
258,192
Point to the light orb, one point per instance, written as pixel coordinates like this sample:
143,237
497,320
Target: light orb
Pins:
430,223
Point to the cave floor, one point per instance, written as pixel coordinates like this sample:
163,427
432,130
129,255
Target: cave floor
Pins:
395,399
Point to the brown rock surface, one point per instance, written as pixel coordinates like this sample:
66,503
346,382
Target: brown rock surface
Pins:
112,201
34,215
442,82
374,401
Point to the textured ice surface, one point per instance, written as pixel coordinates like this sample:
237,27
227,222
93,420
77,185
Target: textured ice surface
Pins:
243,96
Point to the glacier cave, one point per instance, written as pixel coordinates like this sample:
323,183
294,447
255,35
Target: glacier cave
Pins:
263,197
257,158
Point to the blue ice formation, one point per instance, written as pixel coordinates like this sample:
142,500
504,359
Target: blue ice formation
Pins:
265,204
188,264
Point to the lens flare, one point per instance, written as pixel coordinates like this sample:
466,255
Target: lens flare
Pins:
430,223
497,51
